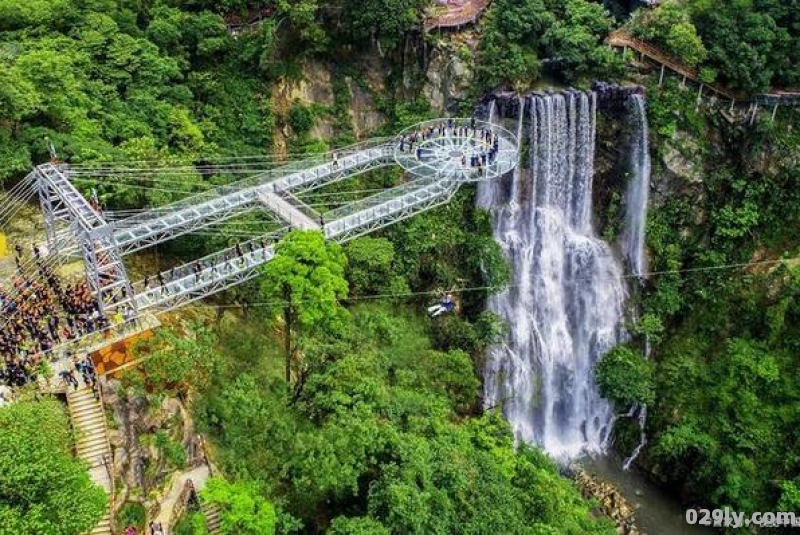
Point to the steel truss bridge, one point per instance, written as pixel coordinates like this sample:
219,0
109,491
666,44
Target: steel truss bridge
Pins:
438,157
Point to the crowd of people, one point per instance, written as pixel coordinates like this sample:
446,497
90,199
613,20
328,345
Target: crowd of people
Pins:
485,142
38,312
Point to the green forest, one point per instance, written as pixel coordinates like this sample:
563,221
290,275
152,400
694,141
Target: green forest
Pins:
329,400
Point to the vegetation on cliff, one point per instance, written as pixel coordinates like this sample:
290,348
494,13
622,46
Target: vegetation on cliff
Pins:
752,46
523,39
726,411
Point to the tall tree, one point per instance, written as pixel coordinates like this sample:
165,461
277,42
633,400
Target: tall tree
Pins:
307,276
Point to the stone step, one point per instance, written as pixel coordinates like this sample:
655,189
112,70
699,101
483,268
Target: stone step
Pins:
98,447
85,404
103,527
92,451
89,443
95,426
82,413
89,423
87,417
211,512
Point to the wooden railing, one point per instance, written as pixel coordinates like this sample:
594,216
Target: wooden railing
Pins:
468,14
779,97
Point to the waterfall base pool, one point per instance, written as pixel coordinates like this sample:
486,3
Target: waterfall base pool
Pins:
657,512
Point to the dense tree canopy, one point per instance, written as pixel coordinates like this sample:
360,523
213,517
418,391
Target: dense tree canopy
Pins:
723,426
625,378
305,281
243,511
374,443
521,36
751,45
43,488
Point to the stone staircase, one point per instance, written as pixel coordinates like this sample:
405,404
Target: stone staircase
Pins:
211,512
92,446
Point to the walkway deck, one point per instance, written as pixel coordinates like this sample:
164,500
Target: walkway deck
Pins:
776,97
457,16
283,209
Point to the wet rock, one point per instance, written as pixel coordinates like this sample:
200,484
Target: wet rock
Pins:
612,503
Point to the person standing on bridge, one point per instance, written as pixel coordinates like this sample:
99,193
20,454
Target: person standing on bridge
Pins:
335,161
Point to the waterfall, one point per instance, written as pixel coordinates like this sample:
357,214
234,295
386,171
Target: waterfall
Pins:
564,305
626,464
638,187
635,222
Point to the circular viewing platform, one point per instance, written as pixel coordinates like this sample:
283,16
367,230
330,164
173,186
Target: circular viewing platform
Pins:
465,149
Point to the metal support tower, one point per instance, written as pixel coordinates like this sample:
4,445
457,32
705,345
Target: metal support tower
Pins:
63,203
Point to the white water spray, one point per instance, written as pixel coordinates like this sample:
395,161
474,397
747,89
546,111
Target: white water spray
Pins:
638,187
564,305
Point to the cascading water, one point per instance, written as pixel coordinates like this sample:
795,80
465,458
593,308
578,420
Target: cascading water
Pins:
638,187
642,419
635,220
564,305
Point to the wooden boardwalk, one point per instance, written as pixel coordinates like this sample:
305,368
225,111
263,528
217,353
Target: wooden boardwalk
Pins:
776,97
458,16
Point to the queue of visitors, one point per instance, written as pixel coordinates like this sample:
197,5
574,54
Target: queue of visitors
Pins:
39,312
485,142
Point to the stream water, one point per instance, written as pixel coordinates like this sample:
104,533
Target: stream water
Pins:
657,512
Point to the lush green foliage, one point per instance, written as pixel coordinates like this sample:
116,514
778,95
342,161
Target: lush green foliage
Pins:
671,27
306,280
163,82
131,514
374,442
751,45
194,523
173,359
371,267
725,341
519,35
43,488
625,378
243,511
110,81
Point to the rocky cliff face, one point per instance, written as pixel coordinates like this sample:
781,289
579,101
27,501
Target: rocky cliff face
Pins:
449,72
441,72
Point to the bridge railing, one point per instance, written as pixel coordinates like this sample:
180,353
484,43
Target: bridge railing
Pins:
377,199
406,203
257,179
